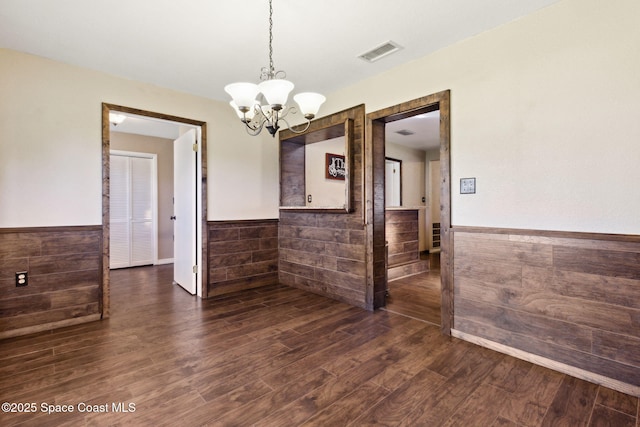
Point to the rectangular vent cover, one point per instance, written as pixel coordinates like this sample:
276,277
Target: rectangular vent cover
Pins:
381,51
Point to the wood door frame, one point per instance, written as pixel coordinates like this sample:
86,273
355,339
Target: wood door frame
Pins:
105,304
375,171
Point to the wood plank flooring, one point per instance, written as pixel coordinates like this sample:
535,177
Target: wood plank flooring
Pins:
278,356
416,296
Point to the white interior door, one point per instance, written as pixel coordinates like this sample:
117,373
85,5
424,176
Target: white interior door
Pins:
185,212
392,183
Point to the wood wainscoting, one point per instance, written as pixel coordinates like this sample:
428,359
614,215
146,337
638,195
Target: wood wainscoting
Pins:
569,301
403,243
64,278
242,255
324,254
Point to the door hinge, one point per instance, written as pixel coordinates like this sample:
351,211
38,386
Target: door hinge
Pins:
195,147
195,269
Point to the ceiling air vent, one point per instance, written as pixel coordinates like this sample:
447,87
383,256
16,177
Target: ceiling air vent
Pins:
381,51
405,132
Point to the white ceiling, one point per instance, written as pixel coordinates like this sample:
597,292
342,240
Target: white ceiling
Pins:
424,129
143,125
199,46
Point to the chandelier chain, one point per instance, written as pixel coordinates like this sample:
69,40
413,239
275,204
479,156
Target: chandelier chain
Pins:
271,68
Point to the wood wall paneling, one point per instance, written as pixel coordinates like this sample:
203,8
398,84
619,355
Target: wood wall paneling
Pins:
324,252
402,236
241,255
572,298
64,266
403,245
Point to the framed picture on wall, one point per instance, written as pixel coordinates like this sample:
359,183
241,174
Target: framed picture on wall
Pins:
335,167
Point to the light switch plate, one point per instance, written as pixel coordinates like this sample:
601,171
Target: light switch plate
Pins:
467,185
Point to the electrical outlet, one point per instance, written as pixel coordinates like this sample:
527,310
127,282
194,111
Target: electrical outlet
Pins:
22,278
309,198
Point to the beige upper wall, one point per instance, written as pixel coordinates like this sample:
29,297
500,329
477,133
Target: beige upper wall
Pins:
544,113
50,145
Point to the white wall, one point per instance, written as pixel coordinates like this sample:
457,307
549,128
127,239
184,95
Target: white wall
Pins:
544,113
50,145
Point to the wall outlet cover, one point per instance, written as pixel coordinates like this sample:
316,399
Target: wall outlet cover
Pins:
467,185
22,279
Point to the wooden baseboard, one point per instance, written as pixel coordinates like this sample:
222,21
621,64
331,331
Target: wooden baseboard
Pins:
548,363
48,326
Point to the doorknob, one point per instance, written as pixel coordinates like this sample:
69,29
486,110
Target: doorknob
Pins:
172,217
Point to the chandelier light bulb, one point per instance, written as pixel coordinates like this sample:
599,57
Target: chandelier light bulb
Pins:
243,94
276,92
244,116
309,103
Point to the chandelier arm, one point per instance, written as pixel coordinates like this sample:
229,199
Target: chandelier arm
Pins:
254,131
269,119
285,112
291,128
251,127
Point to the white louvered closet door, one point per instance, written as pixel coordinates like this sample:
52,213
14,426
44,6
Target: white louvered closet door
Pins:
141,216
119,209
131,201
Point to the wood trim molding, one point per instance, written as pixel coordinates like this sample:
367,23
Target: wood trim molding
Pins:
51,228
106,144
548,363
244,222
633,238
438,101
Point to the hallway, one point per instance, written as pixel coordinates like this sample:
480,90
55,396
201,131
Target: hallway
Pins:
416,296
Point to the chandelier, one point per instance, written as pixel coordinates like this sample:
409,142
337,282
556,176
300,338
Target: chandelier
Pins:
273,91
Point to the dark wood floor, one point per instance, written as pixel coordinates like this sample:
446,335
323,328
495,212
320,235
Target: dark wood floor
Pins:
279,356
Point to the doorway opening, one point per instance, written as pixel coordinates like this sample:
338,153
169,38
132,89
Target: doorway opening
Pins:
197,187
377,123
412,220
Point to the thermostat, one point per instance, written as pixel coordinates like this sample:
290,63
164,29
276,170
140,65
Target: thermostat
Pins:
467,185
